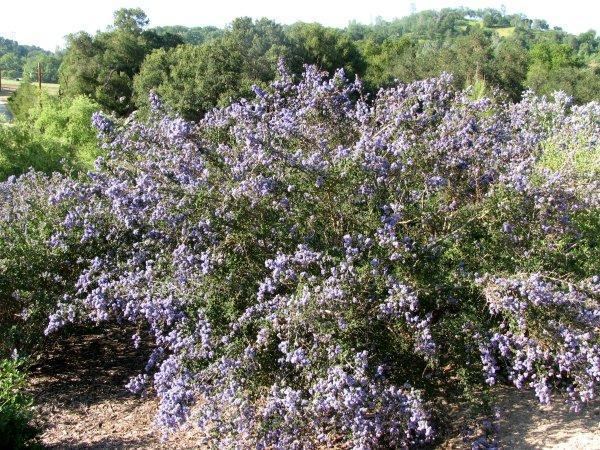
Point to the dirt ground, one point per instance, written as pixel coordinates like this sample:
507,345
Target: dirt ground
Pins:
81,404
81,401
527,425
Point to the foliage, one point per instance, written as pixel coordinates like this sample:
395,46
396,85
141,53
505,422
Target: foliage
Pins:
21,149
394,60
23,100
510,67
319,270
102,66
50,134
49,65
68,122
191,79
326,264
11,65
552,55
17,61
195,79
191,35
582,84
15,407
507,51
473,45
131,20
327,48
33,275
543,60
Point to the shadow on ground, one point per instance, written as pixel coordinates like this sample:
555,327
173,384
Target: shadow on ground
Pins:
104,444
86,367
82,404
79,389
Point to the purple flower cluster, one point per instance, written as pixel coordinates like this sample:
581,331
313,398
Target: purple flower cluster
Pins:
102,123
565,351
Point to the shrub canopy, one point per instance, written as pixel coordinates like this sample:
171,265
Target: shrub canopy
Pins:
318,269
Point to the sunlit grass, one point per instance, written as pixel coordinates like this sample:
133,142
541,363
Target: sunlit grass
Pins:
12,85
505,32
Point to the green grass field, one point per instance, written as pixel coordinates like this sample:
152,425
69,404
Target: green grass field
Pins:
505,32
502,32
12,85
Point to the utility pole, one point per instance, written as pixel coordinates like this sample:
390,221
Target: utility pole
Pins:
39,75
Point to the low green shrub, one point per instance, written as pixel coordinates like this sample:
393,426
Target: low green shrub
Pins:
16,431
50,134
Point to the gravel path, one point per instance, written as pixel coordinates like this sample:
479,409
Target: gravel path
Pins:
4,111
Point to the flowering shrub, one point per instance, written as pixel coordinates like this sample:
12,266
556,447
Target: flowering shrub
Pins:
33,274
539,353
319,268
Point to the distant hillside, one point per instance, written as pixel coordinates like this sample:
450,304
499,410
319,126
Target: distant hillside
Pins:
20,61
10,46
483,48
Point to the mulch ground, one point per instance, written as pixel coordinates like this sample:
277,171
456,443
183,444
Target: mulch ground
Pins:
81,403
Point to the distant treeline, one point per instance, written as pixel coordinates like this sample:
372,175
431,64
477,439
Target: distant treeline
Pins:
20,61
195,69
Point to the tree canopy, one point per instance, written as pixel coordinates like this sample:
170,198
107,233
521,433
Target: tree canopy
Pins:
195,69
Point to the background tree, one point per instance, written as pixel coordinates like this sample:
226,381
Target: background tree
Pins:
132,20
510,67
14,55
103,66
194,79
327,48
12,65
191,79
394,59
191,35
50,65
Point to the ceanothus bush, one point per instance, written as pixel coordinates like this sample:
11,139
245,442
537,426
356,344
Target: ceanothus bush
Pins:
32,272
319,268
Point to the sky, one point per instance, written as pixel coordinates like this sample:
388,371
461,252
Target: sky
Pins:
45,23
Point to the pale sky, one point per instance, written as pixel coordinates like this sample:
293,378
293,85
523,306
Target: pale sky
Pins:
45,23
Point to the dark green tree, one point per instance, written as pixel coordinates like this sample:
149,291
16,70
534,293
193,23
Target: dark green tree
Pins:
103,66
194,79
11,65
328,48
